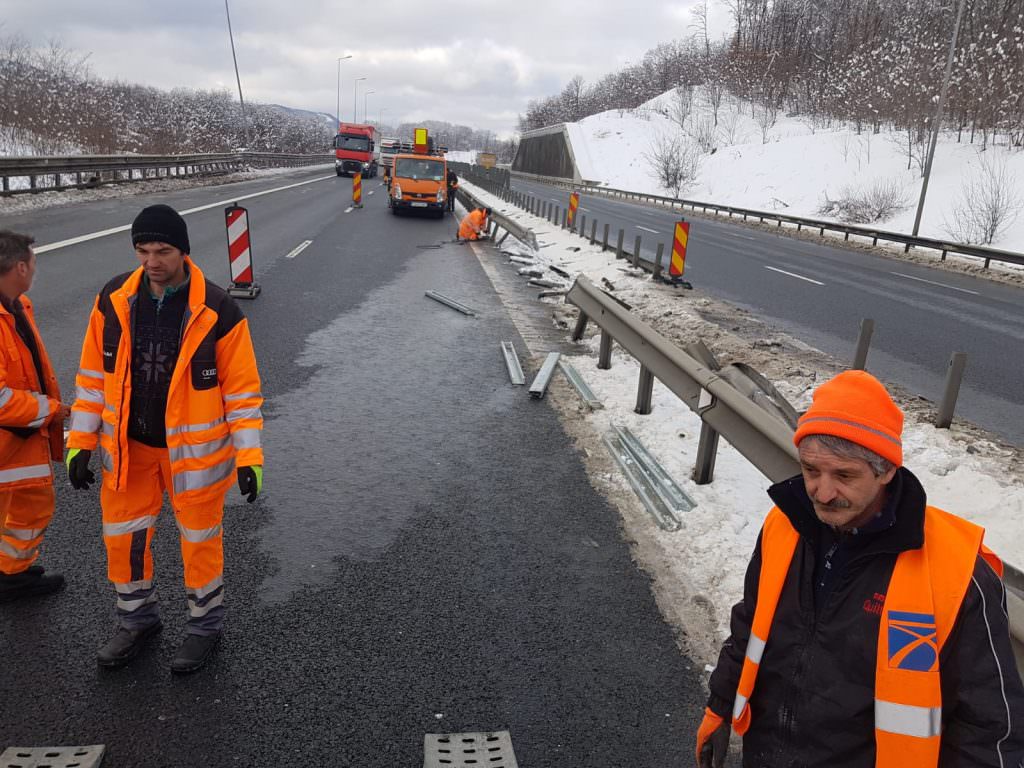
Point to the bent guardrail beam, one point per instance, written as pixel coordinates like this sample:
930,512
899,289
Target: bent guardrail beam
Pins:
517,230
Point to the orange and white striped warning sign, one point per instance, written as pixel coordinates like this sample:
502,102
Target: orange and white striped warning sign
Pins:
357,190
679,242
574,203
239,250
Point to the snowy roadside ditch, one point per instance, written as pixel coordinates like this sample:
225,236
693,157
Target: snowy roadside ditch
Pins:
698,570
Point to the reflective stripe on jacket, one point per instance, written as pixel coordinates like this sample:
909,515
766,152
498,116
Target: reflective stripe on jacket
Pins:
213,418
26,402
473,224
921,605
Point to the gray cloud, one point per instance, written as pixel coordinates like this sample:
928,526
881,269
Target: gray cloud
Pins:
476,62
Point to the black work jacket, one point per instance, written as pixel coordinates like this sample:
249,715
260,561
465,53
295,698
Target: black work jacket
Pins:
813,703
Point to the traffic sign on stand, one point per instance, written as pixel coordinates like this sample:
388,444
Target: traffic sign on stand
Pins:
357,190
677,263
243,286
574,203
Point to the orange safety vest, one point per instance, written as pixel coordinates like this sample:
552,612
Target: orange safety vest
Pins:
473,224
921,605
213,417
26,402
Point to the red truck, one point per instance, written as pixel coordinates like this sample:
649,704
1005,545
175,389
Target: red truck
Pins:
355,150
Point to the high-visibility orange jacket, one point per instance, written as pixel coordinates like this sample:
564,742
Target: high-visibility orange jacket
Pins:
906,662
213,417
26,402
473,225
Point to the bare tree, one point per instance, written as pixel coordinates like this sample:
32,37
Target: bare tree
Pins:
675,162
766,115
987,204
880,200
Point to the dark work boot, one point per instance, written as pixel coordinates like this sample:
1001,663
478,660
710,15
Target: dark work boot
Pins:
194,652
125,645
29,583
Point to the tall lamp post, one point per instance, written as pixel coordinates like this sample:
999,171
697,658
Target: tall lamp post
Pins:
365,94
355,102
938,118
231,37
380,116
338,112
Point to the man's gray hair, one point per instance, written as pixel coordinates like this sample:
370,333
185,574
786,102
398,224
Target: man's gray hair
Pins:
14,247
848,449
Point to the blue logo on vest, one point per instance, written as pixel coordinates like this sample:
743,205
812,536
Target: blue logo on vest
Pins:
913,641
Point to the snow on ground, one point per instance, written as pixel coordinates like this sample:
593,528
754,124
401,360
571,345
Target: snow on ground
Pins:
791,167
698,570
461,156
40,200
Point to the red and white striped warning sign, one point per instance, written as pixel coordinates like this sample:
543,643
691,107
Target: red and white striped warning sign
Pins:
239,250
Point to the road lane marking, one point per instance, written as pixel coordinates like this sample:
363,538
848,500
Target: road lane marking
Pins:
298,249
349,209
793,274
648,229
126,227
932,282
370,192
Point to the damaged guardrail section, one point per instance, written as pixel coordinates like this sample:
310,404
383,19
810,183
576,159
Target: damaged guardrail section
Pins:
517,230
765,440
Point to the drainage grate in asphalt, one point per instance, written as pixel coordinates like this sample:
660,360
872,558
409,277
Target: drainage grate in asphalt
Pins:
53,757
469,750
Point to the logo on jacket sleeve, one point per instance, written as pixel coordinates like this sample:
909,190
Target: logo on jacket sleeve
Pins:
913,641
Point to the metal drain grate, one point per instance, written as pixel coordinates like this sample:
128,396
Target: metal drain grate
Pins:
53,757
469,750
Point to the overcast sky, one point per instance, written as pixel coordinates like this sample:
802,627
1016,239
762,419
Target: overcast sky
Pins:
476,63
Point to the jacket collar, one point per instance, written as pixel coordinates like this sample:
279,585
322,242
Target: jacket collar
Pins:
196,285
908,503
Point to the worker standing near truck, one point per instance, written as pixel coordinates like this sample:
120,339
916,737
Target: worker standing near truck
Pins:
453,185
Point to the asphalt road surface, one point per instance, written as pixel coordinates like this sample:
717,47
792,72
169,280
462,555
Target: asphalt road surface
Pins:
428,556
819,294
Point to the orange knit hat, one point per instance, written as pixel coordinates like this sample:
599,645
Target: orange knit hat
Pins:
855,406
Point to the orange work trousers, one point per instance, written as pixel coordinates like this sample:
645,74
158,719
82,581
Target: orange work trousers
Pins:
129,520
24,515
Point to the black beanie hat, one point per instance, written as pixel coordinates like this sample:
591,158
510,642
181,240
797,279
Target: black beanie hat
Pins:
160,224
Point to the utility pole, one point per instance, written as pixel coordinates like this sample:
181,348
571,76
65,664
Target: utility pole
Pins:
938,118
231,37
355,97
365,94
338,112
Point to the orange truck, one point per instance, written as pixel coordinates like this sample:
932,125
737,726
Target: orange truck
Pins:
419,178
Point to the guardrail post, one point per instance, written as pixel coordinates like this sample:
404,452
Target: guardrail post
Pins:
581,326
657,260
707,450
558,211
604,243
860,357
645,392
636,251
593,232
618,248
544,209
957,363
604,358
581,228
565,219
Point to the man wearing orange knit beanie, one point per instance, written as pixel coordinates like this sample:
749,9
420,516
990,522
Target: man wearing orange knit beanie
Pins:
873,628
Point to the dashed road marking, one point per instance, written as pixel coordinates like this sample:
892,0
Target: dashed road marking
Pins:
793,274
298,249
941,285
126,227
648,229
349,209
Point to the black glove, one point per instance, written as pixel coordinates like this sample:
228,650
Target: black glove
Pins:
250,481
79,474
713,747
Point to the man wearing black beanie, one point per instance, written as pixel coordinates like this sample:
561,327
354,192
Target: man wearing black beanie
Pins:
169,395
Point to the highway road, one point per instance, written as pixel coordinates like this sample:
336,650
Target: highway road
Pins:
428,556
819,294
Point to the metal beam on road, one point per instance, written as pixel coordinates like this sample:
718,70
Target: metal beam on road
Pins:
442,299
515,370
547,370
580,385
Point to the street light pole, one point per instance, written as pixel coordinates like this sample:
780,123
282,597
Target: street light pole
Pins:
938,118
338,112
365,94
355,103
380,116
241,101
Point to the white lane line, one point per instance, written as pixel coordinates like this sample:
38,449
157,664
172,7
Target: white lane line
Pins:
792,274
298,249
648,229
349,209
932,282
584,209
126,227
370,192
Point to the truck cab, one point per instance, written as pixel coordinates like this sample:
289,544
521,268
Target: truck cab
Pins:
418,182
354,150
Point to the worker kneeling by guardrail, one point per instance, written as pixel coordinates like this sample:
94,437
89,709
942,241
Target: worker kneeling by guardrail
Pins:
872,630
475,224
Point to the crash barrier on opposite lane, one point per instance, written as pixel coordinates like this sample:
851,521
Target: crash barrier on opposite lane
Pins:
876,235
518,231
757,423
20,175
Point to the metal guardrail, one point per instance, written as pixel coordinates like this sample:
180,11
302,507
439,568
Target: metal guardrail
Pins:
764,440
518,231
908,241
47,174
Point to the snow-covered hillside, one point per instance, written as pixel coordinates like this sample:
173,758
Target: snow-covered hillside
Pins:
793,165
